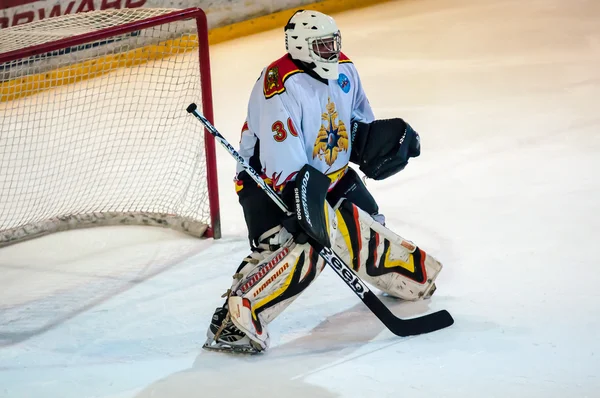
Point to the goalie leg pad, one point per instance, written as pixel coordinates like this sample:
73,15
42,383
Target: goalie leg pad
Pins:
265,289
383,258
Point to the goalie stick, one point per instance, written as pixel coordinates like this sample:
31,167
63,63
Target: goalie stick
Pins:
400,327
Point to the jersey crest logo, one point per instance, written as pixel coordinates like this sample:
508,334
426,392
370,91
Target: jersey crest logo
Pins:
272,80
344,83
332,137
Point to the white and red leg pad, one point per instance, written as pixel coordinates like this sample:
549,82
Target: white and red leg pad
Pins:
383,258
267,288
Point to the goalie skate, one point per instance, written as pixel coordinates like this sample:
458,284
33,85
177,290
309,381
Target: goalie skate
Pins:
217,346
224,336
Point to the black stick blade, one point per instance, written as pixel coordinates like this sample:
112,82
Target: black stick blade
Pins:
424,324
407,327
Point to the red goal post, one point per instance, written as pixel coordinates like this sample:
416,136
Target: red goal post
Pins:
94,129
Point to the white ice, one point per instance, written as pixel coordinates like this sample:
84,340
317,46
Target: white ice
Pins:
506,97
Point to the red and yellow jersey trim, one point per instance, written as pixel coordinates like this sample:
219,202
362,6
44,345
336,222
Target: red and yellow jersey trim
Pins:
279,71
276,75
273,182
336,176
239,184
277,186
344,59
245,127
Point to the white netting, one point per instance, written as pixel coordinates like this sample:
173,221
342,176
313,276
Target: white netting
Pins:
52,29
98,133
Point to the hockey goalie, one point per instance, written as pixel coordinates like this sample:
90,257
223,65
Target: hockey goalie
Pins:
308,119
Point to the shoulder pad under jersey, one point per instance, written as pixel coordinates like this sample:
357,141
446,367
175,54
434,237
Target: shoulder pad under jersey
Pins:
276,75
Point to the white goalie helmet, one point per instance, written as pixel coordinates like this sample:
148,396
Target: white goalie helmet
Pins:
314,38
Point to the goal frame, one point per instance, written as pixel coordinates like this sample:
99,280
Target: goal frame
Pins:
81,221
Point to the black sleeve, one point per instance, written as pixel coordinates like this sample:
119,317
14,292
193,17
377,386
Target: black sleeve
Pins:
382,148
260,212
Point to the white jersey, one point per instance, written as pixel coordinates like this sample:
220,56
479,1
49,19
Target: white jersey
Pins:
295,119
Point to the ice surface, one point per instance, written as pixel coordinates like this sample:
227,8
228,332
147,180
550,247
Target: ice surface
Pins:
506,193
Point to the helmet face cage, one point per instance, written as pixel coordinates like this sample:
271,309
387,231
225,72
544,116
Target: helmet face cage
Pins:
325,48
314,38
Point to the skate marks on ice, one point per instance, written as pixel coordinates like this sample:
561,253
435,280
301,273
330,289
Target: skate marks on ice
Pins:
283,369
48,281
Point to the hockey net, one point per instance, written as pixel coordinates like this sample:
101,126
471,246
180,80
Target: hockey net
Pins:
94,128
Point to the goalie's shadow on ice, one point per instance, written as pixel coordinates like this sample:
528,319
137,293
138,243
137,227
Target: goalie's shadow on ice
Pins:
340,333
284,367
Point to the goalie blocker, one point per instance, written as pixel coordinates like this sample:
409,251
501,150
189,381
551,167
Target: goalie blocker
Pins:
310,219
261,291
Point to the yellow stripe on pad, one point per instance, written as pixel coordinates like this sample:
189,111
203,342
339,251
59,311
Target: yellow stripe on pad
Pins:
343,228
410,265
279,291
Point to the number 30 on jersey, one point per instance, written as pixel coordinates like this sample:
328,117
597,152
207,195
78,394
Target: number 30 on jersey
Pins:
280,133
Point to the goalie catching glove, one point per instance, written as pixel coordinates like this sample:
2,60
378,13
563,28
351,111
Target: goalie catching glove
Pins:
382,148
